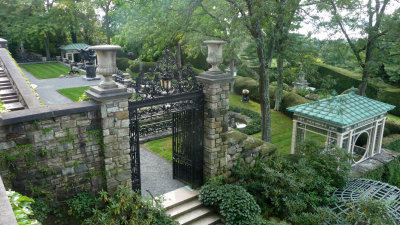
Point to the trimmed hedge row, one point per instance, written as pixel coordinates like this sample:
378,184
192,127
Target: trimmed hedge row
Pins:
123,63
346,79
146,66
289,98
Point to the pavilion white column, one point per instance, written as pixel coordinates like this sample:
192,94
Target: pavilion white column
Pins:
350,146
294,134
381,135
374,136
340,139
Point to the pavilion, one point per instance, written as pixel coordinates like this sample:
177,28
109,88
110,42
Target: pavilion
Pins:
350,121
72,51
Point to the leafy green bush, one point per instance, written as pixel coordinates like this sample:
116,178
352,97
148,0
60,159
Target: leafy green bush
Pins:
123,63
254,126
41,209
285,86
146,66
236,205
291,99
126,207
81,205
302,92
22,209
390,173
395,146
288,185
392,127
83,97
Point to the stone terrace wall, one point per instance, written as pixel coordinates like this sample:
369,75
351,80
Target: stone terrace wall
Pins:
245,148
53,152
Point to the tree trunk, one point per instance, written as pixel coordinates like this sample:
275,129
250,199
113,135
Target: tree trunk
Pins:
232,67
46,46
279,88
178,55
107,20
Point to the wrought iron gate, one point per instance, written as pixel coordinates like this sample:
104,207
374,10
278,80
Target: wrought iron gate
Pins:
169,99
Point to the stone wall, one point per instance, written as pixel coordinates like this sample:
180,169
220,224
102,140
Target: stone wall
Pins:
245,148
53,152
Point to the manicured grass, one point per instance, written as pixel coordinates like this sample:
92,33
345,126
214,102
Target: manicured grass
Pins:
46,70
393,117
162,147
73,93
281,126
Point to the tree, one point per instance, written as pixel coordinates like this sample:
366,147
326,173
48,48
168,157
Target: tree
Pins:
106,6
372,28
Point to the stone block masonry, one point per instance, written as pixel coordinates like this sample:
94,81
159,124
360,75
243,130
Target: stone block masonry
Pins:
115,124
53,152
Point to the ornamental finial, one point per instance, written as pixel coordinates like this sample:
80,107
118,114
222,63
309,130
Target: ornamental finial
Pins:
334,93
352,90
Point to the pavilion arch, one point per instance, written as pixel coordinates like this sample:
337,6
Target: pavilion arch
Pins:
342,120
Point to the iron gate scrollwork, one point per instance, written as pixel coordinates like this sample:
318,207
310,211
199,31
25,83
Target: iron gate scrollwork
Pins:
169,98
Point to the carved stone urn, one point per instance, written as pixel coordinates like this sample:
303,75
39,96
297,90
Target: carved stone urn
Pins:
214,54
107,64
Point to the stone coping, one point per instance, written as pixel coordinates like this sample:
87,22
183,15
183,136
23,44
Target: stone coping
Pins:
6,213
24,91
375,162
47,112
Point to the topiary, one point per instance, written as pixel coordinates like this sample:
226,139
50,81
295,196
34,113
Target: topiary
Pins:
123,64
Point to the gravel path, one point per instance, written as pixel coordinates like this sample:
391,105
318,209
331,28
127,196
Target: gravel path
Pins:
47,88
156,174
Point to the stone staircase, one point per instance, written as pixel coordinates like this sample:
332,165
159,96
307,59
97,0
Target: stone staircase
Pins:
184,207
7,93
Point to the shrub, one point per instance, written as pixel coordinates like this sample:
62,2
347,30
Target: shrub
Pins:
123,63
291,99
81,205
392,127
236,205
302,92
21,206
288,185
395,146
285,86
126,207
254,126
146,66
83,97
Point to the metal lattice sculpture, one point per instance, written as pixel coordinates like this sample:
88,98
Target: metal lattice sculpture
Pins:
357,189
165,80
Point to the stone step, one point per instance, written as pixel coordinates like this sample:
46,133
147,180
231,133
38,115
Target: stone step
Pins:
13,106
193,215
5,84
7,92
4,79
179,196
10,100
8,97
183,208
211,219
4,87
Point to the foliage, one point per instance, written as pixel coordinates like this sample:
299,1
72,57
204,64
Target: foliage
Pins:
345,79
146,66
254,126
392,127
81,205
235,204
395,146
126,207
287,185
123,64
21,206
390,173
285,86
41,209
302,92
76,94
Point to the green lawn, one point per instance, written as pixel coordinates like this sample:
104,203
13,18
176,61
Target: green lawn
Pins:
73,93
46,70
281,127
393,117
162,147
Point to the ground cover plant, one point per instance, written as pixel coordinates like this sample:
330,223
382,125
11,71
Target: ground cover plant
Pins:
162,147
73,93
22,208
46,70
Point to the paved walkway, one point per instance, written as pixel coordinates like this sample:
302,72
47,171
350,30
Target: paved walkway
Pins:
156,174
47,88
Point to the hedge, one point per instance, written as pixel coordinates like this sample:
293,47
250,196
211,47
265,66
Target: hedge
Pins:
289,98
146,66
123,63
346,79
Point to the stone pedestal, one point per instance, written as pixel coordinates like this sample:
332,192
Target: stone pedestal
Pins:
114,120
216,90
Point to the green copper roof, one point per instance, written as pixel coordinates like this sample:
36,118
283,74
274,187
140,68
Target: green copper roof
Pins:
343,110
75,46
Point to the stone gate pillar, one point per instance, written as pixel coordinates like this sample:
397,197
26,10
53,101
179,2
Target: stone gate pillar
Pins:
113,100
216,90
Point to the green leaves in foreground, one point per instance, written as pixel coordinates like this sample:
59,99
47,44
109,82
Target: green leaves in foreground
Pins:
21,206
